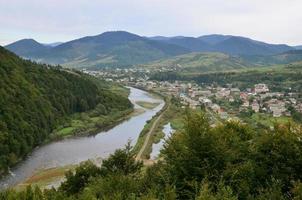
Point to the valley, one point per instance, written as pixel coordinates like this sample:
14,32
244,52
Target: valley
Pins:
151,100
52,158
118,110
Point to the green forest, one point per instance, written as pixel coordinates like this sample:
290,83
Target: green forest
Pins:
227,162
35,99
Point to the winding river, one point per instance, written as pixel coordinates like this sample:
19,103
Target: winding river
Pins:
76,150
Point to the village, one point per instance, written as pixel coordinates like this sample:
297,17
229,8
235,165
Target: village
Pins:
225,101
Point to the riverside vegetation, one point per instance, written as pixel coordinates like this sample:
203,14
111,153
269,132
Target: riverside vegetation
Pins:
229,161
39,102
171,112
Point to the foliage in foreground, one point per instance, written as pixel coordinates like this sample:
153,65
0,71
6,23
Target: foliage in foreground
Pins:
230,161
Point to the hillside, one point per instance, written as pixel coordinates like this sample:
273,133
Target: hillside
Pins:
234,45
201,62
108,49
28,48
214,38
245,46
123,49
191,43
35,99
281,58
299,47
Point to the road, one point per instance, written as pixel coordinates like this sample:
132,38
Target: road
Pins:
141,151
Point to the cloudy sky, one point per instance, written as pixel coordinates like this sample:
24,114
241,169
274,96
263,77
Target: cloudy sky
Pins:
274,21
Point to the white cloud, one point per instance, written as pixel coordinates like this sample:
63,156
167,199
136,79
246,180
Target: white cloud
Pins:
276,21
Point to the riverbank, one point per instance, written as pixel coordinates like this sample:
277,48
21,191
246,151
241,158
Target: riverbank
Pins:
45,160
140,147
153,130
92,122
88,123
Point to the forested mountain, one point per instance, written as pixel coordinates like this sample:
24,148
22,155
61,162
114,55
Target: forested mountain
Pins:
108,49
282,58
229,44
245,46
28,48
214,38
191,43
299,47
121,49
37,98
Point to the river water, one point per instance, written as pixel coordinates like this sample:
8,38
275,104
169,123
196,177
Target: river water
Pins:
76,150
156,148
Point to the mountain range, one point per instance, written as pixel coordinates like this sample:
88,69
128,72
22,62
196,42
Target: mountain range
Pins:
298,47
234,45
122,49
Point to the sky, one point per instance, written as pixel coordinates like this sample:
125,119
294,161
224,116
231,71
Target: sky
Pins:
47,21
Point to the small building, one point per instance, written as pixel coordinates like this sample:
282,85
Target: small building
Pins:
244,96
261,88
205,101
235,91
224,92
246,104
255,106
277,107
215,108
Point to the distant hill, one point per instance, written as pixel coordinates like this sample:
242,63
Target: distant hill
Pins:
201,62
234,45
245,46
190,43
123,49
54,44
108,49
214,38
28,48
282,58
298,47
213,61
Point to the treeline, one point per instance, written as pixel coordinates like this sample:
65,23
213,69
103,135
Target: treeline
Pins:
284,79
35,98
227,162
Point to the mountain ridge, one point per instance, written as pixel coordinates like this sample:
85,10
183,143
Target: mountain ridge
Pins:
122,49
235,45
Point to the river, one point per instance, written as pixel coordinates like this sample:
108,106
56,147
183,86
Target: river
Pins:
76,150
156,148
